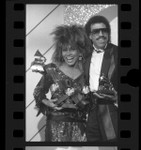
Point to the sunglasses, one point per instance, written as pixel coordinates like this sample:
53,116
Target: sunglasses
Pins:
97,31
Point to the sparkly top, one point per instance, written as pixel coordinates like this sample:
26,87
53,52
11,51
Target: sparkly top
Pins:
60,85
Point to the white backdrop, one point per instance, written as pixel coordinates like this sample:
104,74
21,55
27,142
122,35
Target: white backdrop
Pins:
40,38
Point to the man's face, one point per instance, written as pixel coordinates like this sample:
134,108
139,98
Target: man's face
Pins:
99,35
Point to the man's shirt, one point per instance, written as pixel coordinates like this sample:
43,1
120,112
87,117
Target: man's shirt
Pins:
95,68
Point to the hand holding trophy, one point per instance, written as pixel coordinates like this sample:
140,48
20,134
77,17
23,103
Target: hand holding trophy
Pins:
106,90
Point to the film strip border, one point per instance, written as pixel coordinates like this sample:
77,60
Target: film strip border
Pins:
128,71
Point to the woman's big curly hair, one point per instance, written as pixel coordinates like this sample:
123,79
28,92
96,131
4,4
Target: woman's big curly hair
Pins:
74,36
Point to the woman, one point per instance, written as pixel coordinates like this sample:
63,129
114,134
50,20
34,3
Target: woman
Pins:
65,110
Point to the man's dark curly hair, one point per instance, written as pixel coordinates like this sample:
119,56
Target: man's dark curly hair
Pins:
97,19
69,35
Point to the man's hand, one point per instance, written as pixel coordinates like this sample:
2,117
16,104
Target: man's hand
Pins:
114,97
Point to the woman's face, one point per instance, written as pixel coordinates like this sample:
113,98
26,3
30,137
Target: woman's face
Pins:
70,55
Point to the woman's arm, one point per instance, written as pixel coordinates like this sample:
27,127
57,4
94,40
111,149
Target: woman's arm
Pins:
40,92
49,103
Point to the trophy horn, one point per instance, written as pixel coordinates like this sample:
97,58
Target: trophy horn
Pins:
39,61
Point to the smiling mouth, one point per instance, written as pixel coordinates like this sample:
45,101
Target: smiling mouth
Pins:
69,59
101,39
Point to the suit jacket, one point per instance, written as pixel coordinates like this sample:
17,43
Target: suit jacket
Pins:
107,114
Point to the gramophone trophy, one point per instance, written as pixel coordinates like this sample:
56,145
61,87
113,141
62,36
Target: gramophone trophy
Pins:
38,64
105,86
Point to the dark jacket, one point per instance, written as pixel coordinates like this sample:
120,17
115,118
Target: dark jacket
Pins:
106,112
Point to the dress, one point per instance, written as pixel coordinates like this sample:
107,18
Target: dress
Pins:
69,123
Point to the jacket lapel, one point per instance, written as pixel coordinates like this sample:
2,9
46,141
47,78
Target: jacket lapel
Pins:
109,62
106,63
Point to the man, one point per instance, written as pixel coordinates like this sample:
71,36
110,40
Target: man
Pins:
102,61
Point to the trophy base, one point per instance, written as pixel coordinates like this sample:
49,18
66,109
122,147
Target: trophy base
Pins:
106,92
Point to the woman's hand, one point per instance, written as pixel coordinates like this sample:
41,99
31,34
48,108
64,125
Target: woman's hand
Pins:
68,105
50,103
58,108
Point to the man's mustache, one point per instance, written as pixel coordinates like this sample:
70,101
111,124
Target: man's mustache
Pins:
103,37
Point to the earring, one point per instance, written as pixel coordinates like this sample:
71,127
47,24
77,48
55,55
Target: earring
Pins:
80,57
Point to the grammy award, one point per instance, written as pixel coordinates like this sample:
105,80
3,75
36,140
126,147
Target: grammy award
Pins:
105,86
38,64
